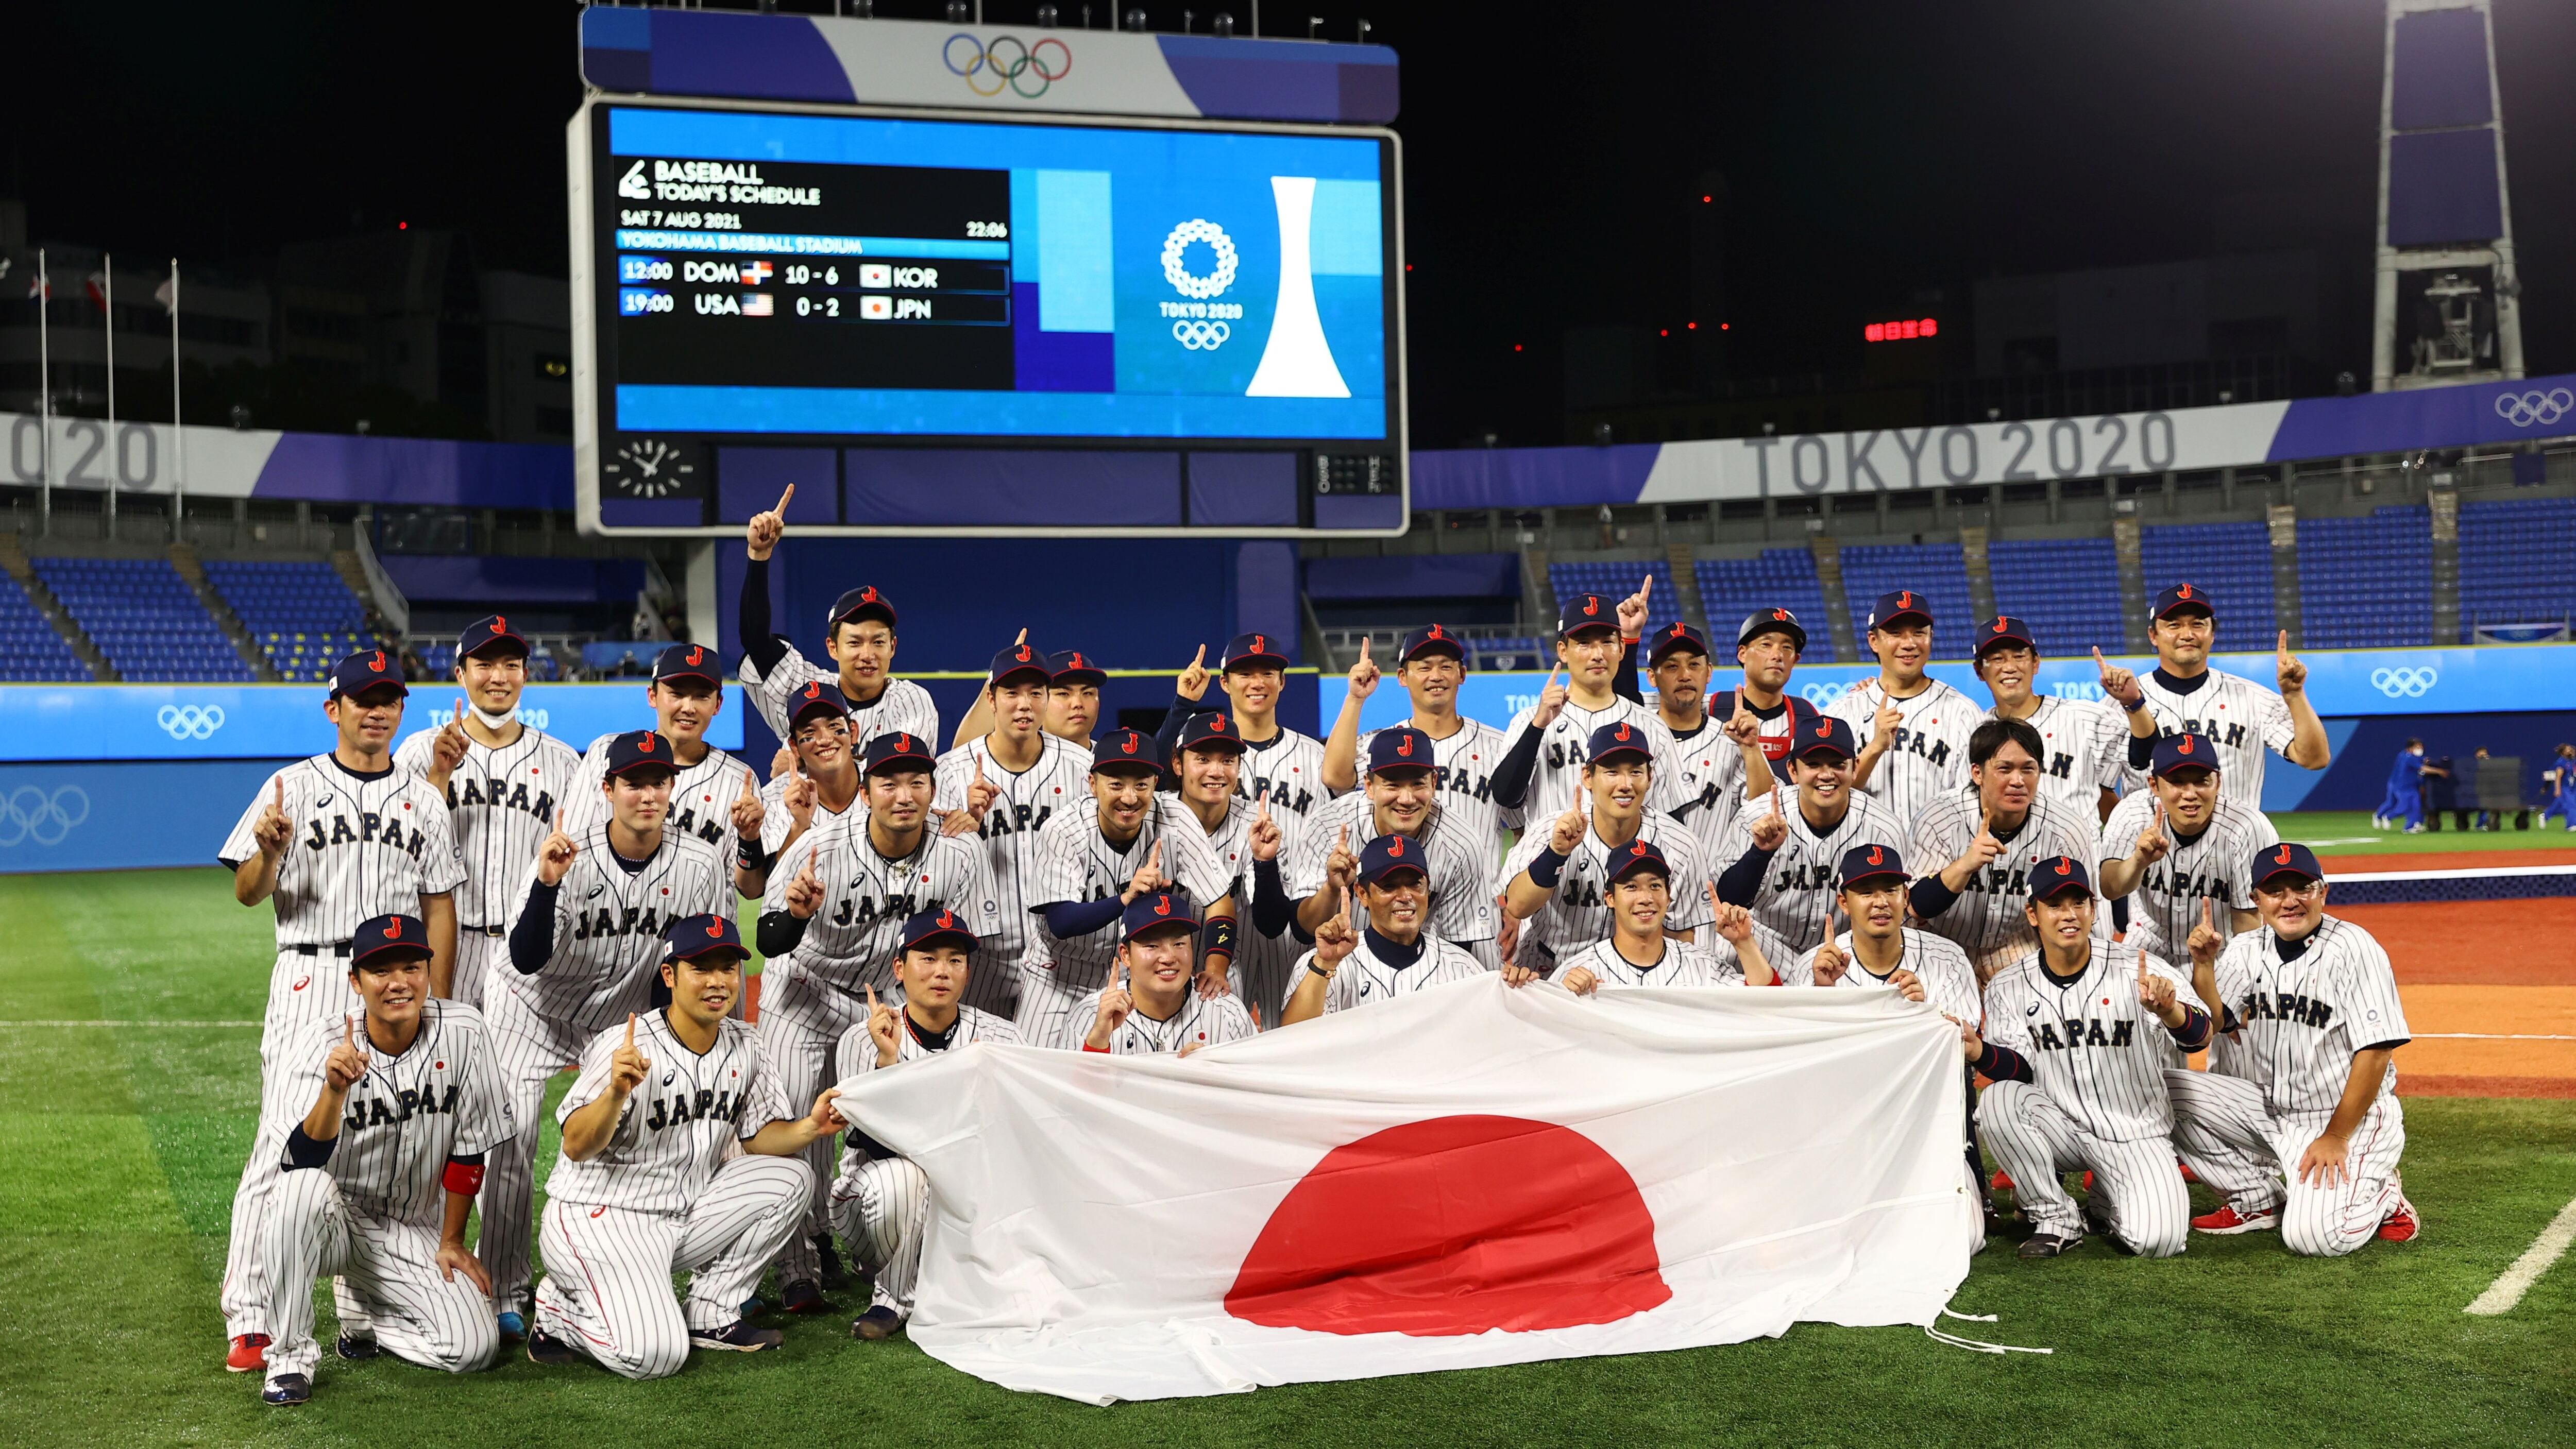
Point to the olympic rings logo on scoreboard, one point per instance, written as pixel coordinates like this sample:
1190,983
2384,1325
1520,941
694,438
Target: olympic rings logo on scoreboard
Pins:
1008,68
2526,409
189,722
29,813
2408,683
1201,336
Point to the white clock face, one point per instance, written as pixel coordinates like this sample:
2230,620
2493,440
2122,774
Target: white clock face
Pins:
650,468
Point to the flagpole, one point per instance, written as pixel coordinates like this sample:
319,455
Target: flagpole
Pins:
107,304
178,427
45,394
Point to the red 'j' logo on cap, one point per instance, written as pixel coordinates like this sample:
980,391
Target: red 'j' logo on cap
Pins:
2185,747
1876,856
868,595
1999,626
2183,593
1780,614
378,663
1023,655
902,744
1404,745
947,922
2065,866
500,625
1824,729
1395,848
1591,605
1218,725
1127,745
1162,905
1638,850
1905,599
393,929
644,746
715,929
1435,633
697,656
814,690
2283,858
1622,734
1677,628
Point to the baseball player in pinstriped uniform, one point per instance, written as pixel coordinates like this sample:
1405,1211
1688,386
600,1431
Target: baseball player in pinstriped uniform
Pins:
679,1156
1560,877
715,798
1546,758
1132,841
881,1202
1768,645
2181,844
1782,866
1914,729
502,780
1208,765
831,927
1726,742
1005,786
2077,1037
1990,834
2315,1097
1394,954
1397,798
818,781
2185,696
1280,765
1148,1006
2086,744
382,1160
1639,952
1073,697
585,938
858,637
336,839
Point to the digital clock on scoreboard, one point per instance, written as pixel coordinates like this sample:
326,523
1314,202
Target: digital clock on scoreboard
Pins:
960,325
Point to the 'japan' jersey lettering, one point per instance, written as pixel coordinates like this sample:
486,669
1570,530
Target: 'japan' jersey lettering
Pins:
2093,1050
437,1098
1987,916
2247,721
1929,754
679,1126
2215,866
1023,803
363,846
2303,1020
2084,750
501,806
608,926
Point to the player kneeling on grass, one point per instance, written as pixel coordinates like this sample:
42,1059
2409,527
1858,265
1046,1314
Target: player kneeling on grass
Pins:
2313,1006
1638,951
1148,1006
1395,953
881,1202
380,1173
651,1181
2073,1047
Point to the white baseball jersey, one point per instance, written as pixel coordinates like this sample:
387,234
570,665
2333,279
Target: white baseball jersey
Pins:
855,1055
1025,801
1949,981
1200,1021
1713,787
2244,719
679,1126
2216,866
1683,963
1929,756
608,926
500,807
702,797
1288,771
365,845
1365,977
867,896
776,820
1987,915
1797,896
902,707
2085,751
1565,747
1462,769
1078,863
2305,1018
2093,1050
1577,913
438,1098
1455,861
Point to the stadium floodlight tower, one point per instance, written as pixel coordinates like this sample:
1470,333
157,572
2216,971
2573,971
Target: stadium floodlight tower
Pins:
2447,307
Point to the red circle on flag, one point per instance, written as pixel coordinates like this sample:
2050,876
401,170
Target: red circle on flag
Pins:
1457,1225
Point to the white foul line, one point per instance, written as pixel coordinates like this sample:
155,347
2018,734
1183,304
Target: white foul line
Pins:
2508,1289
98,1022
2489,1036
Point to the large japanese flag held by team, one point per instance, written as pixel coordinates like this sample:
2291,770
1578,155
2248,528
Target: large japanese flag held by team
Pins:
1467,1176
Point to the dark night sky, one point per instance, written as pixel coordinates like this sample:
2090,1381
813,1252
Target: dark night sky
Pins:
1873,149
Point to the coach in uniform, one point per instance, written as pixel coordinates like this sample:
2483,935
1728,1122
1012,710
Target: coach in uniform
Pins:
1394,954
2186,696
335,840
1781,865
858,636
1991,833
1916,728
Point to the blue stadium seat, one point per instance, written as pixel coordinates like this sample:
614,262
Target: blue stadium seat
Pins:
2232,561
2517,562
1617,579
2066,590
1938,571
2367,583
30,649
303,615
144,618
1779,578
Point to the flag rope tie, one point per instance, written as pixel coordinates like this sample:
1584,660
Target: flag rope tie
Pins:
1976,1345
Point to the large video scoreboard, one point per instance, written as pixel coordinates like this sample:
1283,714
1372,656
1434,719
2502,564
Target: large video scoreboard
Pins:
951,325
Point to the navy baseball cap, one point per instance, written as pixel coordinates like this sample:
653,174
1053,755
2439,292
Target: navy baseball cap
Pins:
385,934
2181,597
1388,854
1072,667
863,602
899,751
483,633
1868,862
1585,611
2057,875
815,698
688,661
1823,734
1154,909
1612,741
1903,604
2286,859
691,937
1211,731
1018,660
365,670
1127,747
1431,639
2179,752
1676,635
1771,621
1255,651
1636,855
2001,630
935,928
1401,747
637,749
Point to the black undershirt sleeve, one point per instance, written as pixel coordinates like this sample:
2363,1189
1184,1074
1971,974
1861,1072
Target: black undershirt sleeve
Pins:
751,619
779,932
1272,911
1069,919
532,938
303,1151
2002,1064
1623,682
2193,1034
1742,881
1930,897
1512,776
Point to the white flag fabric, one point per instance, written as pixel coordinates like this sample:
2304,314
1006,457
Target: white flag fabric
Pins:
1466,1176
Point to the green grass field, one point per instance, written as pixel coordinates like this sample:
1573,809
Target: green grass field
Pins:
121,1142
2348,832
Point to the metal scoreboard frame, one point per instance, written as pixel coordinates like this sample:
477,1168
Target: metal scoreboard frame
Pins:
1325,467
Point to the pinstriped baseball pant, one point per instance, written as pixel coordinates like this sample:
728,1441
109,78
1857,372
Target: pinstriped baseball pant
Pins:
302,990
883,1213
607,1289
477,957
529,1050
388,1272
2037,1142
800,1026
2212,1112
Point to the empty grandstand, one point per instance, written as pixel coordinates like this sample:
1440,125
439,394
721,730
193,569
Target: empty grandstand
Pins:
2517,563
1777,578
31,649
1937,571
144,618
301,615
2065,590
2367,582
1617,579
2231,562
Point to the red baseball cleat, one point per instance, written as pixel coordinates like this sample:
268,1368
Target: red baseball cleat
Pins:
2401,1225
249,1355
2000,1182
2227,1222
2187,1174
2088,1179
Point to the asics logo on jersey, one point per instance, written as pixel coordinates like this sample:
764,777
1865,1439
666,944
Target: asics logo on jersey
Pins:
2410,683
190,722
2522,409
